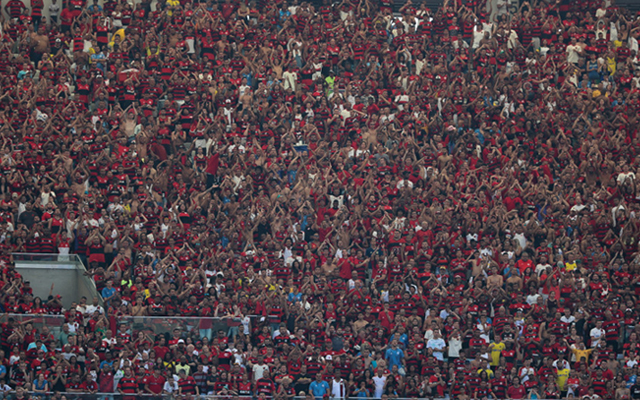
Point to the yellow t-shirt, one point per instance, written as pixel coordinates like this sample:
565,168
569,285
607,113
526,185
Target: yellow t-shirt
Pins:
496,352
488,371
186,368
582,354
561,379
172,3
570,266
611,65
330,83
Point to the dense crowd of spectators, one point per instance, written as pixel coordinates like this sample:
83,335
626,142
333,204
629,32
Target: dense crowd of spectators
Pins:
419,204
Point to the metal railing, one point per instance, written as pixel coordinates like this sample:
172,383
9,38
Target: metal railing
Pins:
48,257
203,326
117,396
188,326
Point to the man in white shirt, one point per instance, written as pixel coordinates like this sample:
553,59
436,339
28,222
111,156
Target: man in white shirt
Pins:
91,309
561,363
378,381
171,386
542,267
573,51
438,345
596,334
533,296
404,182
338,387
430,332
501,7
259,369
479,33
567,318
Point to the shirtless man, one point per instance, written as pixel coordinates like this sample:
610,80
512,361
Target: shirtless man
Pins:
494,280
246,99
39,44
515,279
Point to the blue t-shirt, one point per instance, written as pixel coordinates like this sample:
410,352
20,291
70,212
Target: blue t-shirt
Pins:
108,292
394,357
295,297
39,386
319,389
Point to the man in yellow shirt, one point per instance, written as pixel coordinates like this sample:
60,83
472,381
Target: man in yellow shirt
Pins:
496,351
562,374
171,5
582,354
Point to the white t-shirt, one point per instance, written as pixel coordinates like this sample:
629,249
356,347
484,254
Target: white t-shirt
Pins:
404,183
437,345
338,389
524,373
622,177
169,388
532,299
91,309
572,53
596,334
258,370
54,9
379,381
478,35
540,268
455,345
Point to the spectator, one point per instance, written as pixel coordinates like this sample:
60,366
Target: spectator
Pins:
170,386
187,385
394,355
380,383
338,387
319,388
437,345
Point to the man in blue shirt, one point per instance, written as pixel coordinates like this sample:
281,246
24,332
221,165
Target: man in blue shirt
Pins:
319,387
108,292
95,8
394,355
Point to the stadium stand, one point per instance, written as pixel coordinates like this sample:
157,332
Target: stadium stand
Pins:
355,199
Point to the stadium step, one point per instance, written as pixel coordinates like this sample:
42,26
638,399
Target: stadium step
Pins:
66,272
632,5
397,4
432,4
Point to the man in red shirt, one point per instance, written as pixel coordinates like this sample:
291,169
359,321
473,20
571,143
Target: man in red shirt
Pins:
524,263
154,383
89,385
128,384
187,385
516,391
227,9
14,8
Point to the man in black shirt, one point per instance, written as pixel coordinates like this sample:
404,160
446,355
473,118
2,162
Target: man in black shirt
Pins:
635,390
28,216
